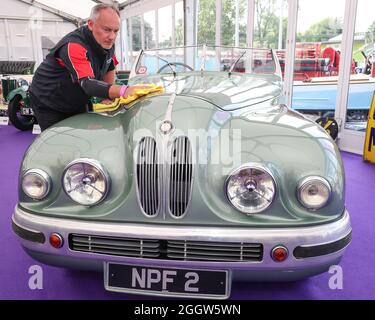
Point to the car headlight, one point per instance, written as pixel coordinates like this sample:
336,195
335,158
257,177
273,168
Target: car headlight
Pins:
86,182
36,184
314,192
251,188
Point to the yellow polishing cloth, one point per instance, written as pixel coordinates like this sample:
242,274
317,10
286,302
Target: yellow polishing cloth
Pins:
101,107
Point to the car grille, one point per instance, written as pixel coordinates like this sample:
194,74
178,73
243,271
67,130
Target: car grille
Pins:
148,176
168,249
214,251
180,176
179,173
126,247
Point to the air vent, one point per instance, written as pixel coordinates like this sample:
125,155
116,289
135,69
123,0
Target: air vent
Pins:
128,247
209,251
214,251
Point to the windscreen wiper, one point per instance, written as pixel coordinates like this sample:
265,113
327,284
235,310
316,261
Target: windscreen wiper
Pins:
234,63
169,65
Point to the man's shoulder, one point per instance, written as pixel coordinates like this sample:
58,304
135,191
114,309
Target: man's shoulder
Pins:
76,36
73,48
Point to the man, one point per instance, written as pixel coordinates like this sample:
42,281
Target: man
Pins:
80,66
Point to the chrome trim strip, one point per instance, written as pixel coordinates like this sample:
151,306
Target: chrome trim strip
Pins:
168,114
269,237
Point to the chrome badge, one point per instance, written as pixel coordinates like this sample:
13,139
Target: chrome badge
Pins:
166,127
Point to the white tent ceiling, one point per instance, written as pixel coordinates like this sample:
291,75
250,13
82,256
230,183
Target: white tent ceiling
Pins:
77,8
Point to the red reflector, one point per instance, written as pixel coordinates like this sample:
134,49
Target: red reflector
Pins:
56,240
279,254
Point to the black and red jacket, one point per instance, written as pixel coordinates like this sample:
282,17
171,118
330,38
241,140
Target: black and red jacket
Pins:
76,56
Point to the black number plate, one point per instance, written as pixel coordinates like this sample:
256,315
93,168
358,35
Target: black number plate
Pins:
166,281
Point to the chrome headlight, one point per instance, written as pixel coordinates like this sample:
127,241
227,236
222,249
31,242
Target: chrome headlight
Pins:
36,184
251,188
314,192
86,182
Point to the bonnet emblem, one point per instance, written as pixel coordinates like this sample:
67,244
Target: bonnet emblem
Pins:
166,125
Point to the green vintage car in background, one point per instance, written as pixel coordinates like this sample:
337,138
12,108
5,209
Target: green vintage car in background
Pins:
14,98
182,192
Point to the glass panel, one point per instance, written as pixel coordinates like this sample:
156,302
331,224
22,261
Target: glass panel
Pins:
125,34
179,23
237,65
165,27
362,85
317,56
232,34
270,24
206,21
242,22
211,58
136,33
135,37
149,19
228,19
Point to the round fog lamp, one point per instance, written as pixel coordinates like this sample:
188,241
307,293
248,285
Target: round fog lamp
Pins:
36,184
314,192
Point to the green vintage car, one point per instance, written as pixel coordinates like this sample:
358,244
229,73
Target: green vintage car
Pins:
182,192
16,95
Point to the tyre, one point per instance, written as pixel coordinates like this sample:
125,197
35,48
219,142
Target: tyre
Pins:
21,122
330,126
328,114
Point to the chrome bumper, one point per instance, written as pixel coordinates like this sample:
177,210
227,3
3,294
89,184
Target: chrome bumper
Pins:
268,237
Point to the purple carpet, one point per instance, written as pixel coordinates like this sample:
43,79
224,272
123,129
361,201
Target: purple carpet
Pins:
357,264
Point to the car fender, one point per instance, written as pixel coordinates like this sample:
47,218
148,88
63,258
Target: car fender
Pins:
17,91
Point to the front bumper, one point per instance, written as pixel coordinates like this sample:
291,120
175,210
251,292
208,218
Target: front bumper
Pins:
312,250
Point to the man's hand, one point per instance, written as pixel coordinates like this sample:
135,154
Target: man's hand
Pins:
106,101
114,91
132,90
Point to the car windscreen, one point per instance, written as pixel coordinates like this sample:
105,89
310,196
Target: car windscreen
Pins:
205,58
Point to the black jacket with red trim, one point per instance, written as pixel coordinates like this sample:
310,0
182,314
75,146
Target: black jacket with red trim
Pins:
75,56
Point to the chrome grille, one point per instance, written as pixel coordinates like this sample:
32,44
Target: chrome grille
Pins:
214,251
142,248
180,176
168,249
148,176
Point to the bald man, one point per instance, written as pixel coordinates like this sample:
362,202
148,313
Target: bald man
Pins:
80,66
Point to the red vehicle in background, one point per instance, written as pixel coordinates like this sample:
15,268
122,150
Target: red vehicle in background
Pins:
312,61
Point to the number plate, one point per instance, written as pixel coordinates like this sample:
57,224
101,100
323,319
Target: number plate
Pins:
27,112
156,280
